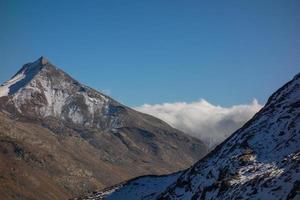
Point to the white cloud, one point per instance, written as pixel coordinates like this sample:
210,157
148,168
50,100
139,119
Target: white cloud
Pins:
202,119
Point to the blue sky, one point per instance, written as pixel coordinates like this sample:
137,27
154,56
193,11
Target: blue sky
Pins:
227,52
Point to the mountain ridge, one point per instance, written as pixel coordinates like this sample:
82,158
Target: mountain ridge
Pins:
261,160
82,134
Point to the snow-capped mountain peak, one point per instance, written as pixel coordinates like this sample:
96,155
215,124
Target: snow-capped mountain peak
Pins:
22,77
75,139
39,90
43,60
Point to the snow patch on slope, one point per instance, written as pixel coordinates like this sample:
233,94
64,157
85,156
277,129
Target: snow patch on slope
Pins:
53,93
23,77
259,161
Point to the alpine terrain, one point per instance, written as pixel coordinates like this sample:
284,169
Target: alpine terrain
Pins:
60,138
261,160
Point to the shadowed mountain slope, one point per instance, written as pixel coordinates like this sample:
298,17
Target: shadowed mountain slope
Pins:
261,160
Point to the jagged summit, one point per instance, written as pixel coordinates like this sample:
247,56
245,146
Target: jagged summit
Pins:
43,60
34,66
39,89
40,61
23,77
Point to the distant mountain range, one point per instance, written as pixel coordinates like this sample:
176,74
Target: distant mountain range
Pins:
261,160
59,138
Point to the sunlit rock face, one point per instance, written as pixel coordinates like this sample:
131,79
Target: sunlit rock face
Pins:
41,90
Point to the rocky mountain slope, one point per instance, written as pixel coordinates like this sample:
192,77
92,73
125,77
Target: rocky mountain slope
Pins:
59,138
259,161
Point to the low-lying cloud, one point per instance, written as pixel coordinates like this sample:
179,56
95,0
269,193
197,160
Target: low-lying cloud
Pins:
211,123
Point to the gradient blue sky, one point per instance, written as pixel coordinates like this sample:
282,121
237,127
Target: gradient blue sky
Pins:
142,51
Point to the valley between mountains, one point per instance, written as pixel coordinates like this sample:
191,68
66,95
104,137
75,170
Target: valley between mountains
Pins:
60,139
260,161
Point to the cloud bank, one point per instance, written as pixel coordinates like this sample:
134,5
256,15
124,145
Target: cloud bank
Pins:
211,123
